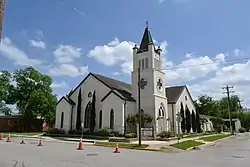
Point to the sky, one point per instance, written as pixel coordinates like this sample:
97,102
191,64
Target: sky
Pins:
206,43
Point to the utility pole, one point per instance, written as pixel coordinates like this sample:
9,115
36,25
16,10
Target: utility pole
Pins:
141,85
2,6
229,105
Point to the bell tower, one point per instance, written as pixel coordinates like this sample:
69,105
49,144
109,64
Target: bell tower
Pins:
148,60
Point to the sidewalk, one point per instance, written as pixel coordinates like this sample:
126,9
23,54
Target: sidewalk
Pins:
159,144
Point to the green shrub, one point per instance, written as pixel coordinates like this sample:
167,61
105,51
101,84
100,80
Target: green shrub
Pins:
113,133
166,134
103,132
242,130
55,131
130,135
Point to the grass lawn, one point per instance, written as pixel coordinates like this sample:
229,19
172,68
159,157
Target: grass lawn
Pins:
215,137
187,144
121,145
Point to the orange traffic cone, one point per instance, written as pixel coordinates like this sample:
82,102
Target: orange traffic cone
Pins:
22,142
80,145
116,148
1,137
40,142
8,139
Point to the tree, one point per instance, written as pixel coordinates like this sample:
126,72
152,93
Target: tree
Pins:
79,109
93,114
188,120
206,105
133,120
198,123
5,85
5,89
183,121
4,109
245,121
217,124
32,95
194,127
235,104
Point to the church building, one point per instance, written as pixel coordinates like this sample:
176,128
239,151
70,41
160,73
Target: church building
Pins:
110,101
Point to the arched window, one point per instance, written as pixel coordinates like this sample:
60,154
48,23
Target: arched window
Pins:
111,119
62,119
100,119
87,115
161,111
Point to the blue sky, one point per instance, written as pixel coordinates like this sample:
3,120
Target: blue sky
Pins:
213,31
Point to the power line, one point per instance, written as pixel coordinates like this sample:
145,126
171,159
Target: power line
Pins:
204,64
228,91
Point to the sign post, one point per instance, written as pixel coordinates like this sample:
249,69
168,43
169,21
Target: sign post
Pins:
82,126
179,119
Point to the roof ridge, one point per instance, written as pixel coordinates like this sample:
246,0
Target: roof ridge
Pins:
111,78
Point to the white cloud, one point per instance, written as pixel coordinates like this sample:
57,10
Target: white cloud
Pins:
120,53
115,52
56,85
208,74
67,53
37,44
13,53
68,70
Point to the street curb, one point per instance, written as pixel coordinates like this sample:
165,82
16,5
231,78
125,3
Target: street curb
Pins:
142,149
209,143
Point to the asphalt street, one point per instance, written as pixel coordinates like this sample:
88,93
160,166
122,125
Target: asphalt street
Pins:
228,153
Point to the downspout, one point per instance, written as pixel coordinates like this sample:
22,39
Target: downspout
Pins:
125,121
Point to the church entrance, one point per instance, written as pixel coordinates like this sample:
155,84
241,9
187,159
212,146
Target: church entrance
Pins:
87,115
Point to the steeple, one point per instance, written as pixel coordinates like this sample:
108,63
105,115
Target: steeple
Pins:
146,40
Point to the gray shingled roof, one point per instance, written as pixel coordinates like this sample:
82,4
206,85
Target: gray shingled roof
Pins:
122,88
173,93
125,89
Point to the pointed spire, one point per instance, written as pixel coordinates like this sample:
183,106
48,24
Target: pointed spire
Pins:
146,39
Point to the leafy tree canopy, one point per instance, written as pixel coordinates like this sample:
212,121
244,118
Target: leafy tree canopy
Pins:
31,91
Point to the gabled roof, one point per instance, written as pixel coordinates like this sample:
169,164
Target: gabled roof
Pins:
121,89
173,93
67,99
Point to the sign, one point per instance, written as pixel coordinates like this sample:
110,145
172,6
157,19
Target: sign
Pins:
82,125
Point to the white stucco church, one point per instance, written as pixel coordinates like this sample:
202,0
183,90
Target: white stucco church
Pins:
112,100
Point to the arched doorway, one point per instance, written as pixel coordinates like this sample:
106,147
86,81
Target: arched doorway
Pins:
87,115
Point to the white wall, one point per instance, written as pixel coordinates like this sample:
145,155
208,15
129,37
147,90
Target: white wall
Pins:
89,85
115,103
65,107
185,101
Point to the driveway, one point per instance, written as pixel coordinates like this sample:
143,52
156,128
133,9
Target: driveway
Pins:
228,153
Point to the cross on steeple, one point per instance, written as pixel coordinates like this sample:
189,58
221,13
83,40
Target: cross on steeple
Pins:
146,24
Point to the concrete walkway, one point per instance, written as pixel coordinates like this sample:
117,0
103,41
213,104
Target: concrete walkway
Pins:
153,144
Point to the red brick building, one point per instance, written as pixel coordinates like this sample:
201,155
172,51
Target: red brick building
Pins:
12,124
